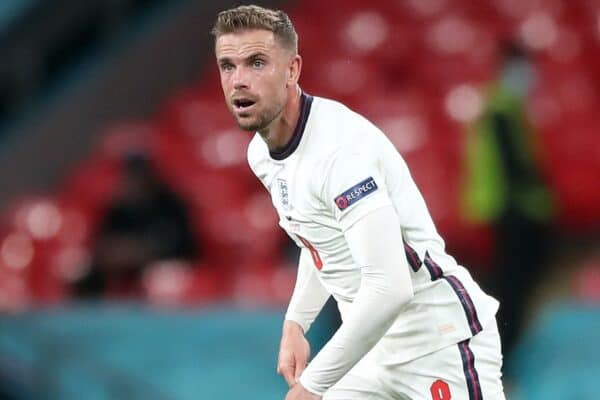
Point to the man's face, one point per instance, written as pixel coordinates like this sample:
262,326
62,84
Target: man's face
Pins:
255,71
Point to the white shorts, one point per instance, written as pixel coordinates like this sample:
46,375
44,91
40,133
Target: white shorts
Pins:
469,370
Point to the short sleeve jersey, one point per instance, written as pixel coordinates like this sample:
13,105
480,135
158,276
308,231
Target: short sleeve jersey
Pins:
337,168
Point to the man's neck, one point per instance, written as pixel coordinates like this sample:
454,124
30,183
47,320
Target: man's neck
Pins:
280,131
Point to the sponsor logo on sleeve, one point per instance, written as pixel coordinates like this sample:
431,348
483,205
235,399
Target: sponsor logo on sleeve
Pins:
355,193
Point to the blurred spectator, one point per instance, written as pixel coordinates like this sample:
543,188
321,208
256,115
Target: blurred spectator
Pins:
505,189
145,222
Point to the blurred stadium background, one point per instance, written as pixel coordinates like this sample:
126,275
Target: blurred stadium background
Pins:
96,94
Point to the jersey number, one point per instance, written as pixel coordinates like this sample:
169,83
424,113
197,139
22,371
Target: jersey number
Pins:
440,391
313,252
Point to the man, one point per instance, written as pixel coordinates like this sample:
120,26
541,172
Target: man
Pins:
506,190
415,325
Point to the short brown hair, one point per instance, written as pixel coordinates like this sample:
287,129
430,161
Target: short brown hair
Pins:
256,17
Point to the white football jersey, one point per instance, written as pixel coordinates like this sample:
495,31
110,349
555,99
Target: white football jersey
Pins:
337,168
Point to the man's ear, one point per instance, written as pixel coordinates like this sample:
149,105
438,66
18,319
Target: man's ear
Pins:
294,69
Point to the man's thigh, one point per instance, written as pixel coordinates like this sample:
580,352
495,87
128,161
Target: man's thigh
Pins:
468,370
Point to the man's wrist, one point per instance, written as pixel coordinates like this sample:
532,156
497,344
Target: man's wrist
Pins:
292,327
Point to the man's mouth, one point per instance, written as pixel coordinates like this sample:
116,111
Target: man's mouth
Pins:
243,104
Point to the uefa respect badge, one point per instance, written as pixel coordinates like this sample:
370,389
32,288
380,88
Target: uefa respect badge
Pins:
355,193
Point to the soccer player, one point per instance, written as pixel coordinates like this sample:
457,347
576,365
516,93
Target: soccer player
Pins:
415,324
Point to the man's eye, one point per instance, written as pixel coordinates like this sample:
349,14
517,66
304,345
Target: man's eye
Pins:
227,67
258,63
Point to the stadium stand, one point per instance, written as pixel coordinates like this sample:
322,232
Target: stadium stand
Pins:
418,74
417,68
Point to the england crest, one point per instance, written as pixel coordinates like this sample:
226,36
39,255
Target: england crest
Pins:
284,193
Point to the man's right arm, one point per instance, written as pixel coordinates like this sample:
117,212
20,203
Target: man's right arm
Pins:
308,299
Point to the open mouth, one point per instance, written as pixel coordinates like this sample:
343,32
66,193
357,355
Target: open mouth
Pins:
243,104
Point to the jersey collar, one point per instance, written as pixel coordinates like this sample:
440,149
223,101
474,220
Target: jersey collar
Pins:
290,147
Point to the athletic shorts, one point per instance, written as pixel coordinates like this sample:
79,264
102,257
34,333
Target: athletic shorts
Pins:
469,370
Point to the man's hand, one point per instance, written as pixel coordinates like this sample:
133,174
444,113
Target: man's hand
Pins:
299,393
294,351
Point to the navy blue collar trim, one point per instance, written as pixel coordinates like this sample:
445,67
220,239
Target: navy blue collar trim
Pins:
292,145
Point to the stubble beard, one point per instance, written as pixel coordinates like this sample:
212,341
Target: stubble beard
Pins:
263,121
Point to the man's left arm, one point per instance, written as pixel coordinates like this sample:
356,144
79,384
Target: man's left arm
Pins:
375,241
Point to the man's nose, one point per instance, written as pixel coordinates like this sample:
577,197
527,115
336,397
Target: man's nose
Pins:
240,79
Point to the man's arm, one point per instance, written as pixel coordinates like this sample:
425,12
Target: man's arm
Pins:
309,295
375,242
307,301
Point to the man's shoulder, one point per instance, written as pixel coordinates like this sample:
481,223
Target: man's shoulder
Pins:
333,110
340,127
332,113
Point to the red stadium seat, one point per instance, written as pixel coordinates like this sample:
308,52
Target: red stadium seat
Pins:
14,294
92,185
573,168
262,285
455,49
192,115
342,78
173,283
121,139
244,231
